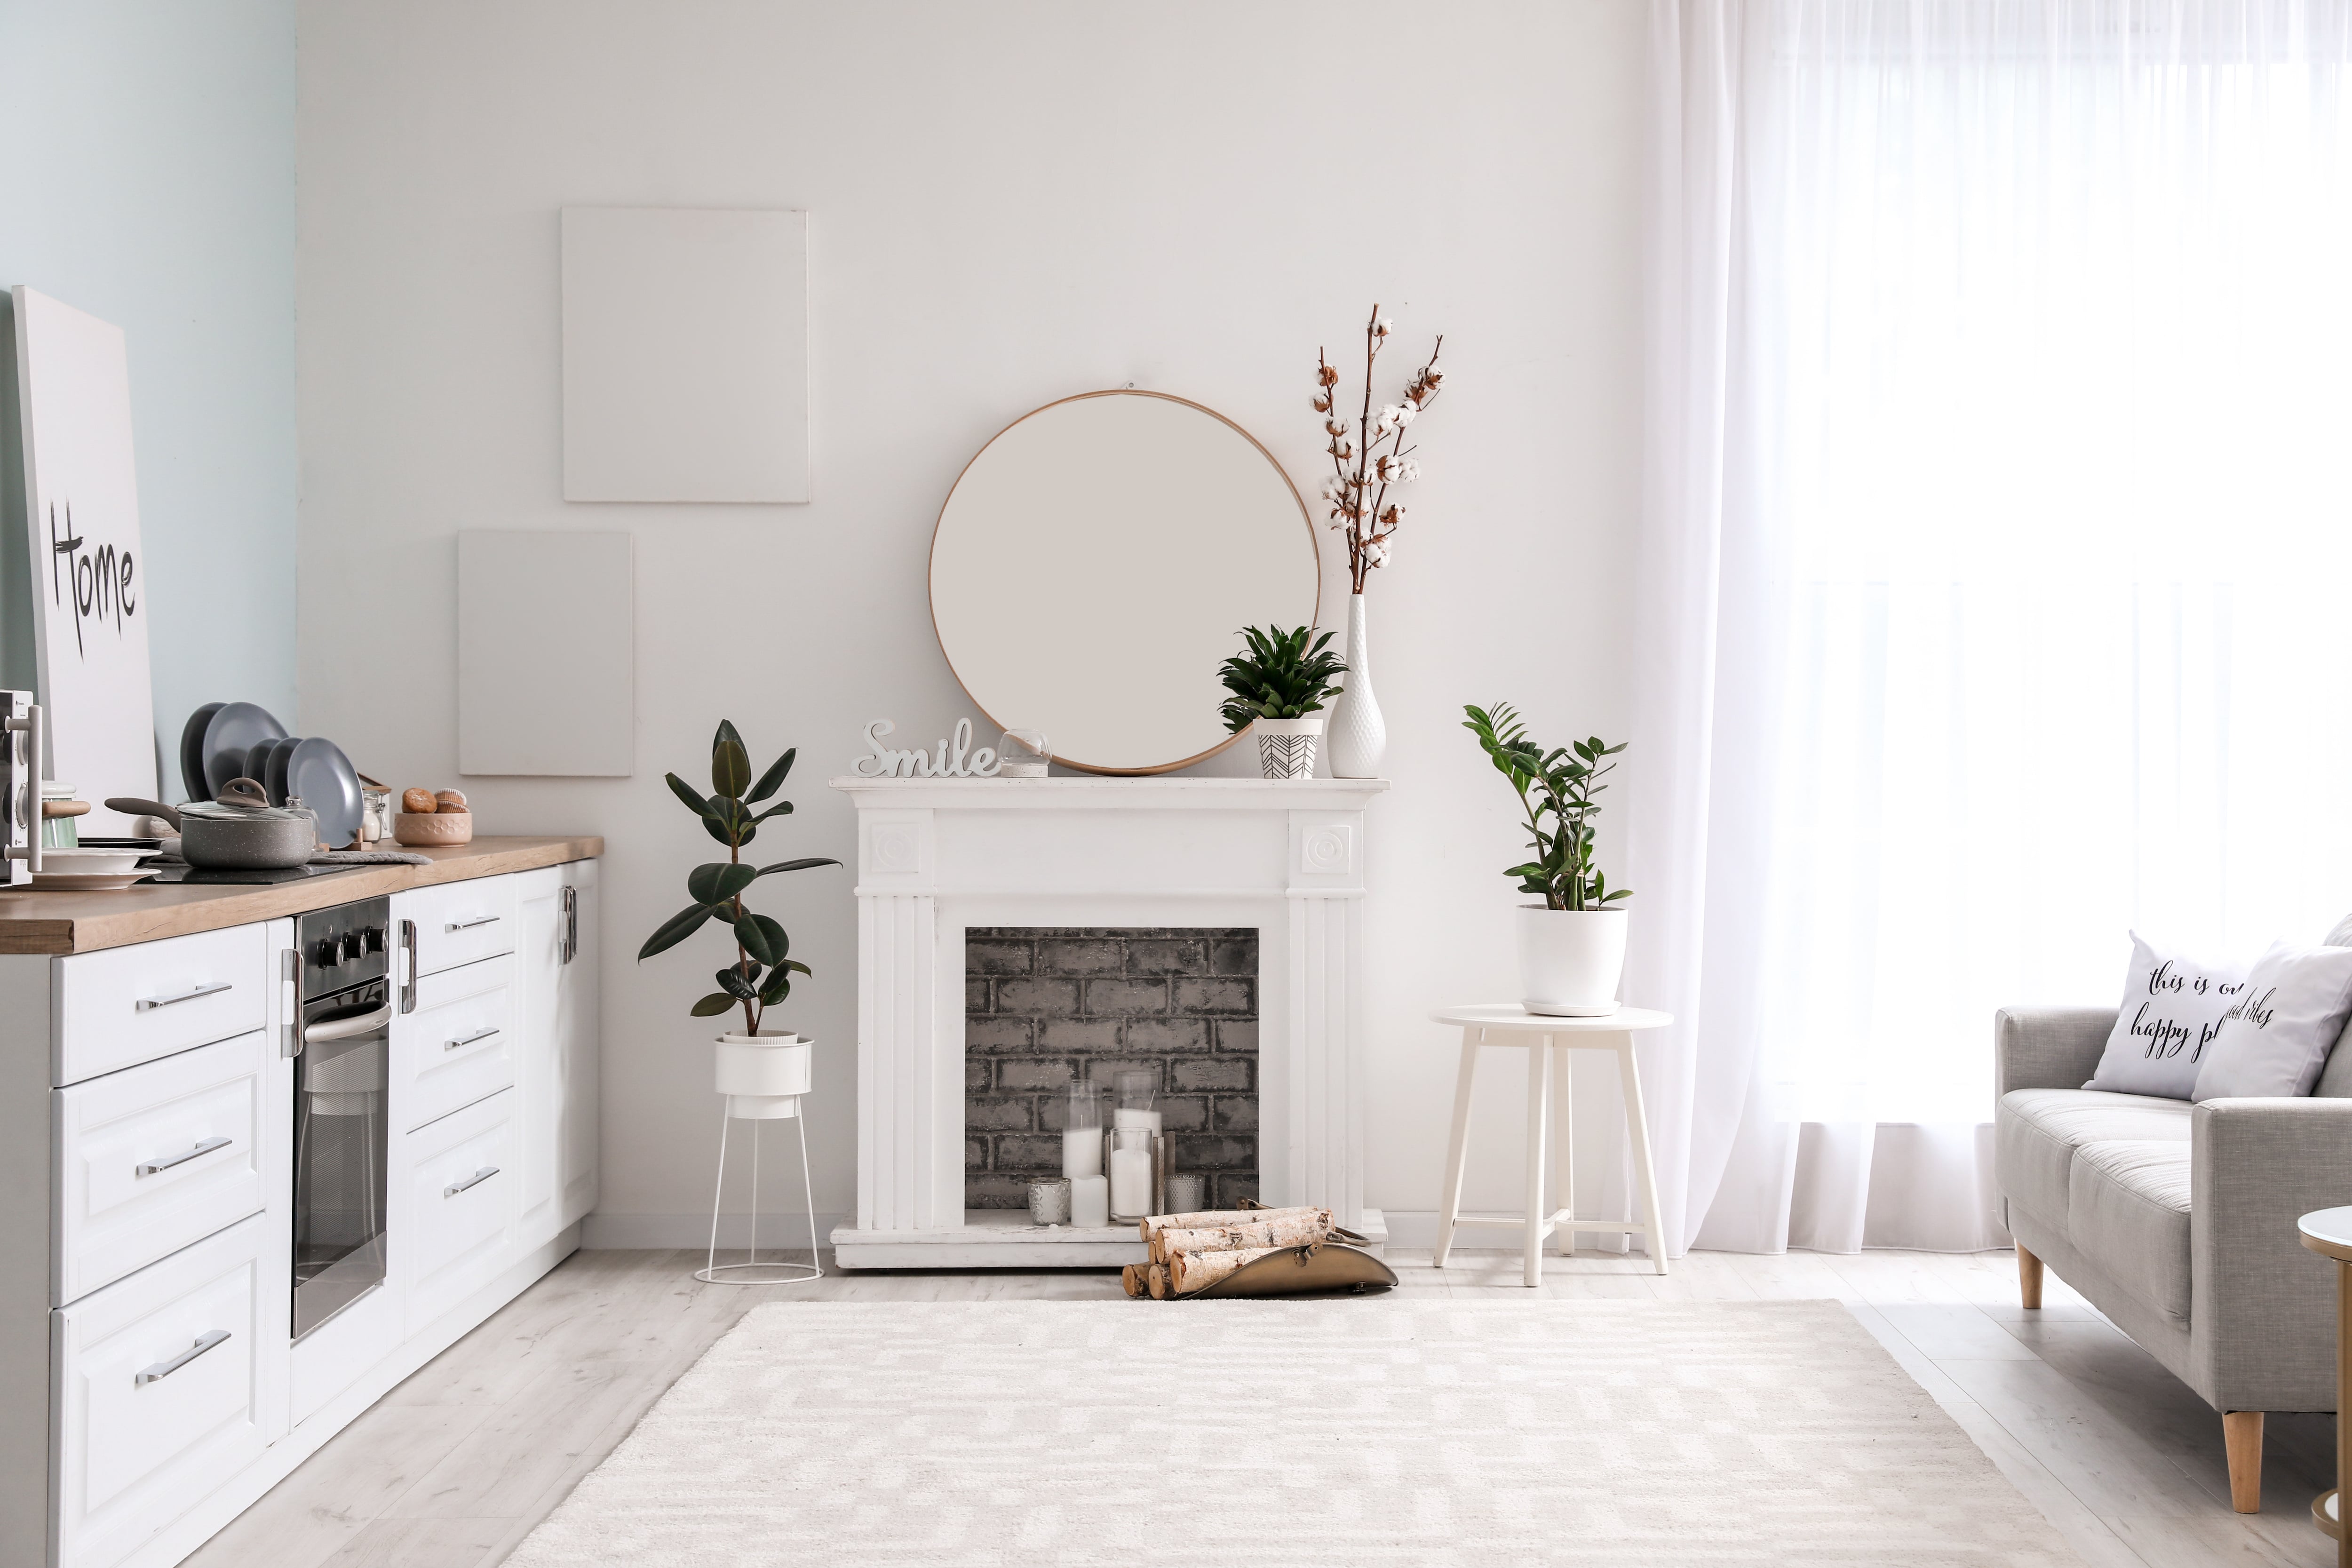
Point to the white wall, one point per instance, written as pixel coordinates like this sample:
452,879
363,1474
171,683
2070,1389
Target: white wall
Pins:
147,177
1011,202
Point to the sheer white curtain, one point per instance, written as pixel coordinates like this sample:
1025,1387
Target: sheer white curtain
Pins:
1998,552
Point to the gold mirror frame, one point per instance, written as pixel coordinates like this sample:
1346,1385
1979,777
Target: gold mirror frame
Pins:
933,571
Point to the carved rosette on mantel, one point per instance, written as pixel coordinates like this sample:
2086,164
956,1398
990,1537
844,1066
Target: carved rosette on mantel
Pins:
936,856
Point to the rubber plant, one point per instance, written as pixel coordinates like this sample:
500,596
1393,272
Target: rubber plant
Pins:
762,974
1280,677
1557,786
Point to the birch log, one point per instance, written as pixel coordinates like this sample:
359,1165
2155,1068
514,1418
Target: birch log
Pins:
1190,1271
1135,1278
1216,1219
1306,1228
1156,1280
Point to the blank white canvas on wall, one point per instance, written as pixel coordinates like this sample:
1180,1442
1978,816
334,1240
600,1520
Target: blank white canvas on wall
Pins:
685,354
546,653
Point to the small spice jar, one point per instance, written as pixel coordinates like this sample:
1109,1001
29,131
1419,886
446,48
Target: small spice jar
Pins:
1049,1200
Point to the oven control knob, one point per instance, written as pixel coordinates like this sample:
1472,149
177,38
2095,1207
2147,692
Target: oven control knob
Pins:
350,947
371,940
327,957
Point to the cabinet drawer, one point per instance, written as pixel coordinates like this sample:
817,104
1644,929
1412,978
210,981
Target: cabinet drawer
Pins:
459,922
461,1206
124,1005
156,1156
458,1047
145,1429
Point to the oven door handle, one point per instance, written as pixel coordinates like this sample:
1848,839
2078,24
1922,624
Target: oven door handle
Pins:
366,1023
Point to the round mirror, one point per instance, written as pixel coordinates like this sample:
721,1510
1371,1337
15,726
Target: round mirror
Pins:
1095,563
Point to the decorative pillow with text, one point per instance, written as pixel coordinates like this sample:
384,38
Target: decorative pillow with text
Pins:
2277,1037
2171,1013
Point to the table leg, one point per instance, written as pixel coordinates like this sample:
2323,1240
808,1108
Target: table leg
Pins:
1539,1123
1563,1125
1637,1128
1457,1152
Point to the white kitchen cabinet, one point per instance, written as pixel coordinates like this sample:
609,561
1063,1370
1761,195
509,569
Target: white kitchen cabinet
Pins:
146,1173
463,1172
165,1389
556,1011
458,1045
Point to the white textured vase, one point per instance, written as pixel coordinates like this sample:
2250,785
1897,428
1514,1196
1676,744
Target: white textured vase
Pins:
1570,961
1359,737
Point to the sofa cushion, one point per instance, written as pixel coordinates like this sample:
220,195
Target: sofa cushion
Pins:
2127,1210
2037,1130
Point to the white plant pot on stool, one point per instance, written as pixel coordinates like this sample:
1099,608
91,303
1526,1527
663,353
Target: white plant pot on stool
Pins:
1286,747
761,1078
1570,961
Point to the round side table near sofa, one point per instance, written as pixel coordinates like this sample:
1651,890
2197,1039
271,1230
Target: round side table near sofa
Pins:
1546,1039
2328,1232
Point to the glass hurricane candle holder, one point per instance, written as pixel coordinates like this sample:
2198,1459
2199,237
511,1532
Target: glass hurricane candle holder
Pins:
1130,1174
1137,1090
1023,754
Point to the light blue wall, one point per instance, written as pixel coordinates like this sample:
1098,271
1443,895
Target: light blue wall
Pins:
147,177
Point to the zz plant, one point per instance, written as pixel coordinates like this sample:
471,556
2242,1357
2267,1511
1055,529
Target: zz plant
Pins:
762,974
1280,677
1556,790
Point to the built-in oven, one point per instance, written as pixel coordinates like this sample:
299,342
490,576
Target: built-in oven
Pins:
342,1062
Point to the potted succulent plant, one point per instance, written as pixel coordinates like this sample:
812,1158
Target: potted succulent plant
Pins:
1279,688
1572,944
764,1064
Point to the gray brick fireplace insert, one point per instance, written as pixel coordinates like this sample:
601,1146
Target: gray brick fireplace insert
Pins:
1043,1004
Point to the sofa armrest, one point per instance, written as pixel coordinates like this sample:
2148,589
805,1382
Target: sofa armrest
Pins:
2261,1308
2048,1047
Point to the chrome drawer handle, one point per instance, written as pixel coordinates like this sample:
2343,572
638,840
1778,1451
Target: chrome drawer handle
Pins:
468,925
483,1034
149,1167
479,1177
149,1004
163,1369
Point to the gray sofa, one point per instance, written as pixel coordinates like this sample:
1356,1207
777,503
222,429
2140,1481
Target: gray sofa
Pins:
2178,1220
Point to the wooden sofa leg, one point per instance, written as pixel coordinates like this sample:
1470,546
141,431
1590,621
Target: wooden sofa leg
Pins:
2241,1435
2028,1281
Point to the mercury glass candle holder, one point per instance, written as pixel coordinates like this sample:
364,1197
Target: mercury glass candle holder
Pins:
1049,1200
1187,1193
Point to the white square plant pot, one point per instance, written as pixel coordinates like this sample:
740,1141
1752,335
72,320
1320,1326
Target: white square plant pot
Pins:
1286,747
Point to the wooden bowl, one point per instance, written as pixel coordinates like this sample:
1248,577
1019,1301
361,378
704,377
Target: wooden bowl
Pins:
418,829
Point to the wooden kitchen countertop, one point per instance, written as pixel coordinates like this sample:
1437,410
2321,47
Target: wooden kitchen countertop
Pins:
82,923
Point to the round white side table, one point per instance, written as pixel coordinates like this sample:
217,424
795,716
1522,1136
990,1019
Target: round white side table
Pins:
1488,1025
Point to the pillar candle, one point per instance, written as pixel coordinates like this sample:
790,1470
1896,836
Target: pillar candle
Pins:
1131,1182
1082,1151
1123,1119
1090,1197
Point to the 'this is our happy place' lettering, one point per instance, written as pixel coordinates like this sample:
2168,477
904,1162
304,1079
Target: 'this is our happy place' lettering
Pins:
2166,1037
98,585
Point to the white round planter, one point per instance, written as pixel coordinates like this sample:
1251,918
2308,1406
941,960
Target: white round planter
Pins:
1286,747
1570,961
764,1075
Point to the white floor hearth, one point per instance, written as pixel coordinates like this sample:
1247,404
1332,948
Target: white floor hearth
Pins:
938,856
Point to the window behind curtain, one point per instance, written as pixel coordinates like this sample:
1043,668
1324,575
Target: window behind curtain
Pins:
2047,357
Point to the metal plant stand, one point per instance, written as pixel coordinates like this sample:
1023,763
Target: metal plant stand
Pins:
753,1270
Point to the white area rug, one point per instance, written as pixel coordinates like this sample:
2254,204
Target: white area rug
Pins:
1282,1434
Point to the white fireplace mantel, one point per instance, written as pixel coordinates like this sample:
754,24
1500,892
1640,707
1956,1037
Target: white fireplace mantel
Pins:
937,855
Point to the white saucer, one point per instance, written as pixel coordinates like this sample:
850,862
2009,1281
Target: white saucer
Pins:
85,882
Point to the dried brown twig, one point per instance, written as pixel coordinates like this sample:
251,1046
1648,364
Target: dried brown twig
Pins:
1358,494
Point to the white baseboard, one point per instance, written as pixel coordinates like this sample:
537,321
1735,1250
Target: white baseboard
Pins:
788,1232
